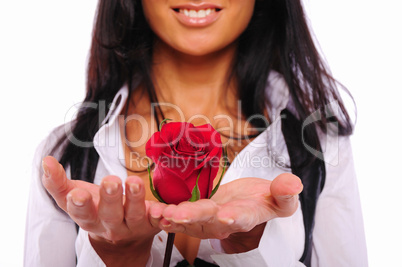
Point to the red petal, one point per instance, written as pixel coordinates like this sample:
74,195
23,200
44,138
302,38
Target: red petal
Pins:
172,132
155,147
169,187
210,136
178,165
205,182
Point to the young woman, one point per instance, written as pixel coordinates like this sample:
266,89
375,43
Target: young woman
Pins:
251,70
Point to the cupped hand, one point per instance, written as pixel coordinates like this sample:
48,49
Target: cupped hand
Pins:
237,212
113,220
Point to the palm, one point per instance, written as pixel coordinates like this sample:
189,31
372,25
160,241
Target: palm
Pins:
238,206
252,197
115,216
248,196
126,230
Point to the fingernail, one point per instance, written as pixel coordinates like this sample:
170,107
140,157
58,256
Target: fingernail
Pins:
155,216
110,187
287,197
166,224
228,221
134,188
76,202
45,168
300,188
167,217
182,221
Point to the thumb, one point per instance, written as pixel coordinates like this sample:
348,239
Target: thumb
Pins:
55,181
285,190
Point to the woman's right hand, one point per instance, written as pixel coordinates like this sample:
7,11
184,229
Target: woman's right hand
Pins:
117,224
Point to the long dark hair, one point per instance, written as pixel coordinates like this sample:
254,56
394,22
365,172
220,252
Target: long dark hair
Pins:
277,38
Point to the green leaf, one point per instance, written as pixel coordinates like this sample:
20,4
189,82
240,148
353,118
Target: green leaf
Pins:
162,123
223,172
196,194
156,195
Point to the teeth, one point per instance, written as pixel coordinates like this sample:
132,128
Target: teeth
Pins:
202,14
197,14
193,14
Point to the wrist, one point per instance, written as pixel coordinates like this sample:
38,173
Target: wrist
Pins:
127,253
243,242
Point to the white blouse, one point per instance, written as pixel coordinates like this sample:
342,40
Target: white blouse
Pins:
338,237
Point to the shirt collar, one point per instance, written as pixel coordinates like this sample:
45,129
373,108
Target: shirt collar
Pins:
277,92
107,141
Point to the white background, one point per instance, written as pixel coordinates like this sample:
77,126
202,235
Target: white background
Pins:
43,50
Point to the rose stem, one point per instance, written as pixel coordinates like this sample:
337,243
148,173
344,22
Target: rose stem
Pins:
169,248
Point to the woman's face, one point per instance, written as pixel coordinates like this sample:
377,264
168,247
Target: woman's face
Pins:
198,27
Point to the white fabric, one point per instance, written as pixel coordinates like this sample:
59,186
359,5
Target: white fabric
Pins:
338,237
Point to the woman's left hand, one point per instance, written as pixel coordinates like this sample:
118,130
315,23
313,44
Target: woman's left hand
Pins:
236,213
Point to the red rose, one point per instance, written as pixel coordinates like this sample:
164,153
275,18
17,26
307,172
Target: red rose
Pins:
181,153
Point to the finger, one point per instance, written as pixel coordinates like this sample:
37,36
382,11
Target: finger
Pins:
285,190
110,210
203,210
172,227
55,181
81,209
155,213
174,224
135,201
239,218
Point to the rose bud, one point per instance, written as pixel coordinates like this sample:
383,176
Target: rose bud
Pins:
186,161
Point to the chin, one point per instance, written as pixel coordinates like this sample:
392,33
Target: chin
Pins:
197,52
201,48
197,46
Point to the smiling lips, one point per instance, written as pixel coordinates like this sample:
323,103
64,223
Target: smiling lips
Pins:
202,13
197,16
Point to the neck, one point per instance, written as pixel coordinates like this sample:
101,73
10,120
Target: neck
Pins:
196,84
